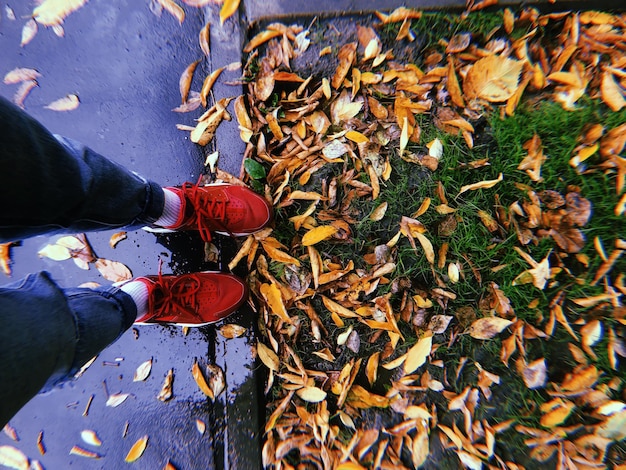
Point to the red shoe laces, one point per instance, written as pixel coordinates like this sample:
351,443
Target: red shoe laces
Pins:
179,295
209,213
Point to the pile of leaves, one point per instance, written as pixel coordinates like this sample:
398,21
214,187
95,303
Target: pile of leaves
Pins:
420,275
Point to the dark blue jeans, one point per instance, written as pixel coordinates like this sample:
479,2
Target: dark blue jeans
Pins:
53,185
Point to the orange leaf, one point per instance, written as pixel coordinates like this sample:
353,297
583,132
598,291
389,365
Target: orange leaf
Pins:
137,449
492,78
228,9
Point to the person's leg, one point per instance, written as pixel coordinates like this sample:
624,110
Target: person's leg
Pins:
48,333
52,184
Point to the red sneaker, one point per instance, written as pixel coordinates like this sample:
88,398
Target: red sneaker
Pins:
192,299
223,208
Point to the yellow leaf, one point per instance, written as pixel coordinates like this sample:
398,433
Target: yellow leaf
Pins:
356,137
53,12
273,297
416,356
492,78
311,394
67,103
481,185
556,412
318,234
228,9
488,327
173,9
338,308
209,81
378,213
13,458
268,357
137,449
427,246
371,368
201,381
55,252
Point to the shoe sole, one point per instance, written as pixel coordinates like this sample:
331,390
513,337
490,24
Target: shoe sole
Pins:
188,325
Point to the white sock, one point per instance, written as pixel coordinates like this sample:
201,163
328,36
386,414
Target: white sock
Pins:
139,292
171,210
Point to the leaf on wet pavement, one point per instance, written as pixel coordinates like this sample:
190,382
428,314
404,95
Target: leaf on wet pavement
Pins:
67,103
143,371
137,449
113,270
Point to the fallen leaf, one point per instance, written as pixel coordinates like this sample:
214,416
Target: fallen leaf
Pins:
416,356
268,357
22,92
231,331
113,271
90,437
201,381
318,234
535,374
209,81
204,39
184,82
55,252
166,390
173,9
611,92
116,399
13,458
200,426
67,103
116,238
143,371
492,78
76,450
488,327
481,185
311,394
137,449
229,7
53,12
29,31
21,74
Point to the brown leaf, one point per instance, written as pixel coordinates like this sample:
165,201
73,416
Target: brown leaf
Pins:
492,78
535,158
165,393
346,56
458,43
198,376
113,270
231,331
488,327
184,82
76,450
5,258
204,39
116,238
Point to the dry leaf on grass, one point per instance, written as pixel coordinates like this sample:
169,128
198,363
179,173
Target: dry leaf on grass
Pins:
488,327
492,78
